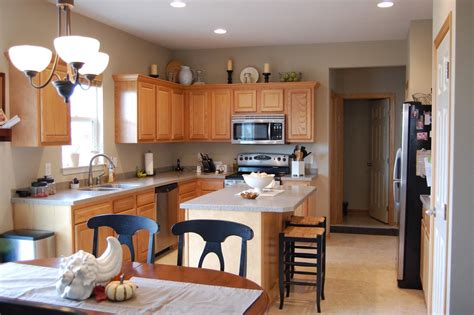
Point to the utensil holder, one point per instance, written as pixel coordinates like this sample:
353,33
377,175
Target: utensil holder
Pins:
297,168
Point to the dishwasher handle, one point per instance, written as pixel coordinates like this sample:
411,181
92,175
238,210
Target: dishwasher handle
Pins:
166,188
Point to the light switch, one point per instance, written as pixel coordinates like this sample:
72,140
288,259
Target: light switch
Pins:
47,169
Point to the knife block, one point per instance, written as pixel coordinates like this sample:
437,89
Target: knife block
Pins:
297,169
208,166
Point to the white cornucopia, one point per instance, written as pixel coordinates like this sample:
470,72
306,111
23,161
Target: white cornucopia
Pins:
81,272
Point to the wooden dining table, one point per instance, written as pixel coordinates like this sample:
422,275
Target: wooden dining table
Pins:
172,273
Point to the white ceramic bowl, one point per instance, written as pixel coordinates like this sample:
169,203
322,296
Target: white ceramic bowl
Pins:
258,182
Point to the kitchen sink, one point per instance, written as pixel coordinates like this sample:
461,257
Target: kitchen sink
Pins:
110,187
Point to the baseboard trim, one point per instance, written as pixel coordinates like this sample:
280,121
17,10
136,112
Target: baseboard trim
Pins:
363,230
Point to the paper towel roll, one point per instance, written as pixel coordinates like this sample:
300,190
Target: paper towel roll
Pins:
149,163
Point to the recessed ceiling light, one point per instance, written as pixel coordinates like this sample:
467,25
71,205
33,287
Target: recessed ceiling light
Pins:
220,31
385,4
177,4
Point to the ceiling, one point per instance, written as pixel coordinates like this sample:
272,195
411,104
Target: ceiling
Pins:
256,22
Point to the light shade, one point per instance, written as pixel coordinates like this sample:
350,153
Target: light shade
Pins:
220,31
96,65
177,4
385,4
76,48
30,58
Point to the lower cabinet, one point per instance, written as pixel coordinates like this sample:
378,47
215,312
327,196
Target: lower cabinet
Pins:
194,188
141,204
309,205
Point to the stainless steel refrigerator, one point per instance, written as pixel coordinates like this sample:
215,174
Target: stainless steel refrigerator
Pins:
408,184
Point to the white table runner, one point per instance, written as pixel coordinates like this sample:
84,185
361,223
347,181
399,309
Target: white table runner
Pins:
34,283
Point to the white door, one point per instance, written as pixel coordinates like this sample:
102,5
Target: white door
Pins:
379,171
441,165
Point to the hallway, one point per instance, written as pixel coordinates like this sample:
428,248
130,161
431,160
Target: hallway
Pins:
361,279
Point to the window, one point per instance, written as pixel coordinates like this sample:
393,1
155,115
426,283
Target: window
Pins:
86,127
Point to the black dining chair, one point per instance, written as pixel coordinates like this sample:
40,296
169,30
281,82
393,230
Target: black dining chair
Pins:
214,232
125,226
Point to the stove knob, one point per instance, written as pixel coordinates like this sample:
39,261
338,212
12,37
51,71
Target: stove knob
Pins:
250,158
246,158
284,159
241,158
279,159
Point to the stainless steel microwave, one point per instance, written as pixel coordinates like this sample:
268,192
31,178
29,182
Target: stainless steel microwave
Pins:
258,129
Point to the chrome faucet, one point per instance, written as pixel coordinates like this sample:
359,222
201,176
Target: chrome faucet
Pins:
90,179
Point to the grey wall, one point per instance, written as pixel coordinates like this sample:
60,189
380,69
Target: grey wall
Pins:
357,144
315,61
34,22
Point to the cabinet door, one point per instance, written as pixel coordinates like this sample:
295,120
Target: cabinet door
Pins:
148,211
271,100
55,115
85,236
163,113
177,115
245,101
220,109
146,112
198,115
300,115
182,198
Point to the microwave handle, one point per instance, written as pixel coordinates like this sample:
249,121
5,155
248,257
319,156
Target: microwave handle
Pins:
270,131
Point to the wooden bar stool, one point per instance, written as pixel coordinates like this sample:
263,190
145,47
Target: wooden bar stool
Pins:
309,221
287,260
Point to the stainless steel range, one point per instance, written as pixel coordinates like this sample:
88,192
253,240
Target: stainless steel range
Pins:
271,163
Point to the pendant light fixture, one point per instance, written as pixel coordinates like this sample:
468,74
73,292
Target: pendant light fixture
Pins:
80,53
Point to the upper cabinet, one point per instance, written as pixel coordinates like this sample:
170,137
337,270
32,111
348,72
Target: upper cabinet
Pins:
300,115
154,110
45,117
221,104
198,109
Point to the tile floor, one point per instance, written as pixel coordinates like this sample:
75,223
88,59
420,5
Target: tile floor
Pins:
361,279
362,219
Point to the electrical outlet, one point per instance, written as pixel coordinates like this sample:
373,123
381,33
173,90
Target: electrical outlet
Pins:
47,169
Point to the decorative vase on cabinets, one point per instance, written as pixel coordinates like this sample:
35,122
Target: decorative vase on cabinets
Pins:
185,75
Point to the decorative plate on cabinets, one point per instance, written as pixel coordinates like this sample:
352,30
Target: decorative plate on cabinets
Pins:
249,75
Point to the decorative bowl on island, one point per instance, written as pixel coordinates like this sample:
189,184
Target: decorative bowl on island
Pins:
258,181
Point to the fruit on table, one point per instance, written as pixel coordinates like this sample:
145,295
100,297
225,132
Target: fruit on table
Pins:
120,290
141,173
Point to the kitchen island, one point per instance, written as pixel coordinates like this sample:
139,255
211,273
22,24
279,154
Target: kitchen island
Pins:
265,215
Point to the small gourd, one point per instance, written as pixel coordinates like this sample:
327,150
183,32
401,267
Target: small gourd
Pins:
120,290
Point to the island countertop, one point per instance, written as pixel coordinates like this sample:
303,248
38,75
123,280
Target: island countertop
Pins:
228,199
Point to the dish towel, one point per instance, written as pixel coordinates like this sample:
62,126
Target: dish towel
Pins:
34,283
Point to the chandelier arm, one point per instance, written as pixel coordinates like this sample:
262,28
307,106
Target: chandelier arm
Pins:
51,75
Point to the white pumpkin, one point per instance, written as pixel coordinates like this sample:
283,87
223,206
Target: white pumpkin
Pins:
120,290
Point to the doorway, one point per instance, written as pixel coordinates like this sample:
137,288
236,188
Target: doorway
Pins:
362,157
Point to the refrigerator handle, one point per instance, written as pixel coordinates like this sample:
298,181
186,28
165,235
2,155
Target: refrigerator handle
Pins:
397,180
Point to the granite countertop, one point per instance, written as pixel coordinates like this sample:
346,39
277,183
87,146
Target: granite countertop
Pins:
72,197
226,199
426,201
306,178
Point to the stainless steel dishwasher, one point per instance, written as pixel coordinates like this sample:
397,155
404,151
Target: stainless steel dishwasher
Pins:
166,215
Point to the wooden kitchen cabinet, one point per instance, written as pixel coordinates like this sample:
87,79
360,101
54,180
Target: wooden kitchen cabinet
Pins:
143,237
45,117
300,115
164,113
85,236
178,115
186,191
309,205
221,104
271,100
206,186
198,109
146,112
245,101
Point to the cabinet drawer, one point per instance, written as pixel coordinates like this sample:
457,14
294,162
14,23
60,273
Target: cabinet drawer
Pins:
84,214
212,184
187,196
145,198
187,187
124,204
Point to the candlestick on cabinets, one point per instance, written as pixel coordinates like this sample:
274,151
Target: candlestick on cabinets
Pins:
266,68
230,65
266,75
229,76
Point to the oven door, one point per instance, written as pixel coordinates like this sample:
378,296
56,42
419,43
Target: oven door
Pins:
257,130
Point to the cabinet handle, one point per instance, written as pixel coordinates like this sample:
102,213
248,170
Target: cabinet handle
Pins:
431,212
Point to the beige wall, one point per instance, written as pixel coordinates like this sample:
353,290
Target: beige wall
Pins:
419,44
374,80
34,22
314,61
357,144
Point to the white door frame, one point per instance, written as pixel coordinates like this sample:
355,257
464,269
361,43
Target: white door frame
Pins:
446,30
